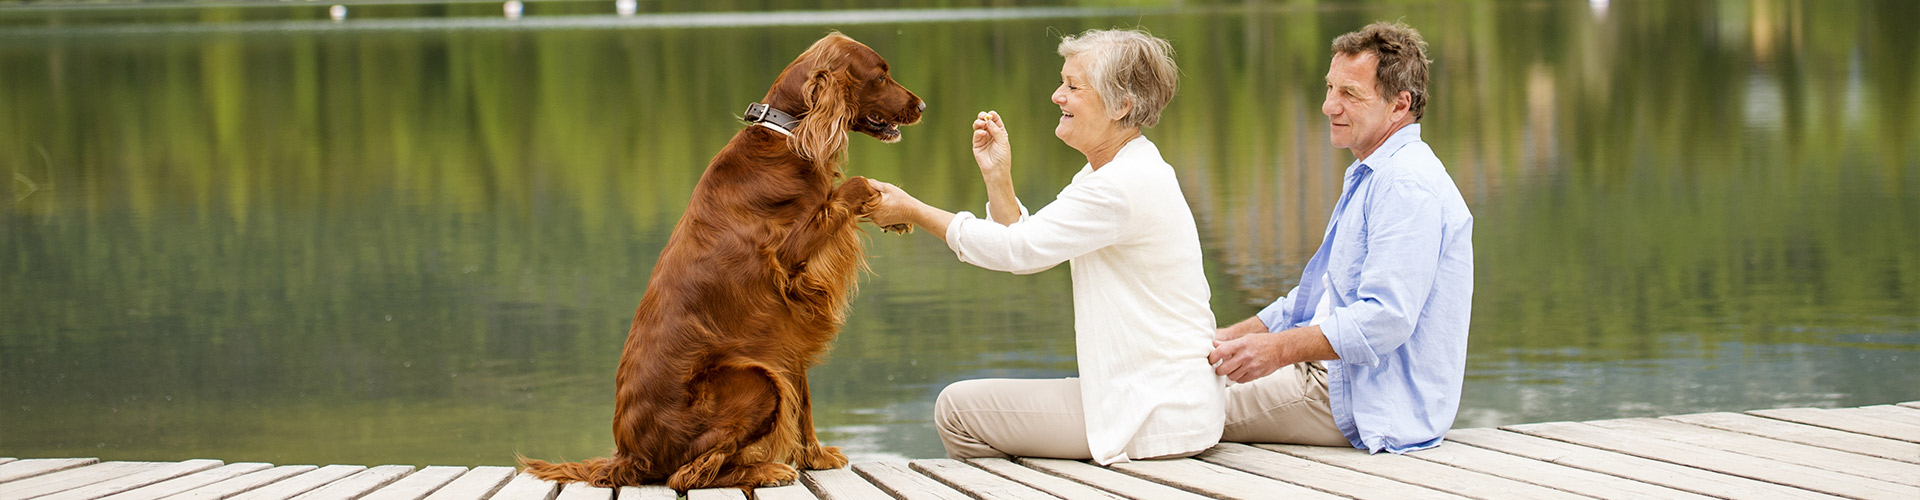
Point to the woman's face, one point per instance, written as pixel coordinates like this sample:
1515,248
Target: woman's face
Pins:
1083,115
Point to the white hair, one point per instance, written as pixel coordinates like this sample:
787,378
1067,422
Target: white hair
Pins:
1127,67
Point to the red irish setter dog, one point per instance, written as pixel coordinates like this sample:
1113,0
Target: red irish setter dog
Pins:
753,284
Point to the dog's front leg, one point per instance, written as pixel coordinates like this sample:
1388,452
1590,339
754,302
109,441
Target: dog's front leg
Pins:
813,456
848,203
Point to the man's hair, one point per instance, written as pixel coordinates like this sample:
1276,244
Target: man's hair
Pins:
1403,60
1127,66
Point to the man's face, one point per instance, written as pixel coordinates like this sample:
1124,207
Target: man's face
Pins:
1360,119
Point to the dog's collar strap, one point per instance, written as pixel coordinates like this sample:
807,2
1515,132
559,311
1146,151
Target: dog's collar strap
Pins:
762,114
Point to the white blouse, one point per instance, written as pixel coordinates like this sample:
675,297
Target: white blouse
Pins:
1141,321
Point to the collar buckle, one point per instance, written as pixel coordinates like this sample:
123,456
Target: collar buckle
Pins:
757,112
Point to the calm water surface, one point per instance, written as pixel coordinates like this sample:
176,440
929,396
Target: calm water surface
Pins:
418,236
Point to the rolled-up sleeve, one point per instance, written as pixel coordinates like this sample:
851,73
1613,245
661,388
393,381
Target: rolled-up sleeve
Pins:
1403,255
1087,216
1275,316
1017,203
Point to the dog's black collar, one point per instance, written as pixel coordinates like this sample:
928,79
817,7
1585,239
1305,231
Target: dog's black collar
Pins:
761,113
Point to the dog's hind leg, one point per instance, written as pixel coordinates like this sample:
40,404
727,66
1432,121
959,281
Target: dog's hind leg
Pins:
740,404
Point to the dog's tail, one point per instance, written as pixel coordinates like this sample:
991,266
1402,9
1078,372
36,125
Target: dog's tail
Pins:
601,472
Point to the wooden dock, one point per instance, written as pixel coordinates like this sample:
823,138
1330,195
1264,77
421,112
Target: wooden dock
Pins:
1870,452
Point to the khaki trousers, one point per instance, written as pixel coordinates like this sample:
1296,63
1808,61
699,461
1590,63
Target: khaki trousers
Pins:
1004,418
1288,406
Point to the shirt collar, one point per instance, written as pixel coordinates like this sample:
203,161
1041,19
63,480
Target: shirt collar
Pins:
1383,156
1132,147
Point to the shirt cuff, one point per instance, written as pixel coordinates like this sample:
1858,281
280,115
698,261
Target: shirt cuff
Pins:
1351,348
953,230
1275,315
1016,201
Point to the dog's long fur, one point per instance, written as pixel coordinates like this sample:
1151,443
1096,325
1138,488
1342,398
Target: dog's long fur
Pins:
751,287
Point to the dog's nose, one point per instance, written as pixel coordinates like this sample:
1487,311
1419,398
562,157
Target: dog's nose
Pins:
923,105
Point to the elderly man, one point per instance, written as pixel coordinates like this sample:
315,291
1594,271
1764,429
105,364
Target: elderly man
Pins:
1370,349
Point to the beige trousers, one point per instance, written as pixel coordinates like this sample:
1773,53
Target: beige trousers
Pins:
1003,418
1288,406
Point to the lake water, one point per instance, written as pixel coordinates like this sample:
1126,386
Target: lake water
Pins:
417,236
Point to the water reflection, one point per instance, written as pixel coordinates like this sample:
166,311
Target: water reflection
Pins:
423,245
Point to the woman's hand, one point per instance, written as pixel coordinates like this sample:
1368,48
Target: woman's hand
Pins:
896,206
899,209
995,156
990,147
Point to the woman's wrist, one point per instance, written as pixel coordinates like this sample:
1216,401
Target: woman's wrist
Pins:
932,219
996,173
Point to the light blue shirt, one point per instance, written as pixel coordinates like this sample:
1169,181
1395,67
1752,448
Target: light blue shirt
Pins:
1399,257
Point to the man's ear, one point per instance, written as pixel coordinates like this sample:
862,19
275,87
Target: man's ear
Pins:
1402,105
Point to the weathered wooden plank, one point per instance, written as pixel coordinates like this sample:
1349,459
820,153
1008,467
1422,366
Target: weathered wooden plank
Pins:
1724,462
296,485
1895,413
1875,446
648,492
1846,422
4,460
162,472
475,484
527,487
902,482
841,484
716,494
417,485
1406,469
245,483
1627,466
975,482
1551,475
70,479
358,484
22,469
190,482
584,491
1107,479
1316,475
789,492
1214,480
1911,404
1054,485
1774,449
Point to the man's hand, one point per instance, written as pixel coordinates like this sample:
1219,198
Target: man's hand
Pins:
1251,356
1248,357
1237,330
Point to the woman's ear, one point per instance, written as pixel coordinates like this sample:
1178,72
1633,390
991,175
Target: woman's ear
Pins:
822,134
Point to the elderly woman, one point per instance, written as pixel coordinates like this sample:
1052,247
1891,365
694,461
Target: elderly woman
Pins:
1142,325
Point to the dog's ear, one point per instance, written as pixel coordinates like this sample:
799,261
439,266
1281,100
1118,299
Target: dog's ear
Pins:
822,134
